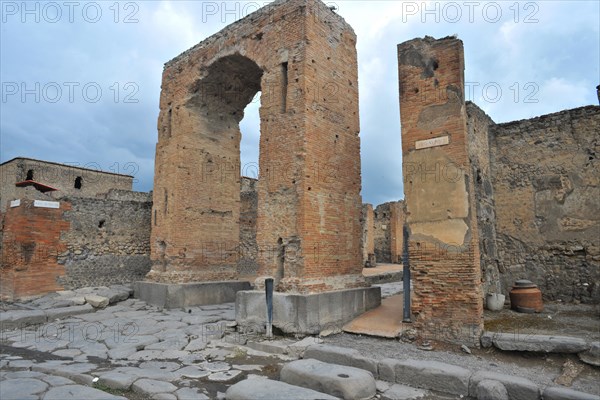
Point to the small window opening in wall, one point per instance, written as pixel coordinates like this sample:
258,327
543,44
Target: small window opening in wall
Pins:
284,86
101,223
78,182
29,175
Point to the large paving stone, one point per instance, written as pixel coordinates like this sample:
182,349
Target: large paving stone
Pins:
432,375
539,343
121,353
562,393
225,376
117,380
76,372
21,388
336,380
151,387
518,388
190,394
78,392
196,345
192,372
341,356
149,373
266,389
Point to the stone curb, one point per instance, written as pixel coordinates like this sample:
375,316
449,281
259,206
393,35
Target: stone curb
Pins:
537,343
10,320
440,377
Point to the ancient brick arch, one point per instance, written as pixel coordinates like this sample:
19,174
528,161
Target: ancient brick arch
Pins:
302,56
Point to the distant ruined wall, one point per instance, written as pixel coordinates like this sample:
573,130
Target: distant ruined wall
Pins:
547,190
248,249
368,235
388,221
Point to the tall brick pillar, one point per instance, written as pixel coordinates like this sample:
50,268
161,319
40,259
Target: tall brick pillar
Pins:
438,188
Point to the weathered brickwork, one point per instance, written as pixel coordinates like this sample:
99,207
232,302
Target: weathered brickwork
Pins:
388,221
60,176
478,123
367,221
546,189
248,248
108,242
439,194
302,56
30,247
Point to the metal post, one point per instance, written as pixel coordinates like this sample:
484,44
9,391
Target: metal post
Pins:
269,298
406,274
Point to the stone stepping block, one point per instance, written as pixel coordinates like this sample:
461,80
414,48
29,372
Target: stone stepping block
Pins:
267,389
151,387
346,382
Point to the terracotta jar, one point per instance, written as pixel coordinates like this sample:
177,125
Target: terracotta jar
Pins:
526,297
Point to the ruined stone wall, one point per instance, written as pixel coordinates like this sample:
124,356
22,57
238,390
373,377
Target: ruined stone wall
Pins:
439,190
248,248
84,242
108,242
478,125
59,176
367,221
546,187
388,221
302,56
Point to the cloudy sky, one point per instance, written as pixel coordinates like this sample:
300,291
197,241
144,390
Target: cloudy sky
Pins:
81,80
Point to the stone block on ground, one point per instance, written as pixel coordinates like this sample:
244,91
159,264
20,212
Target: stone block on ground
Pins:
562,393
96,301
518,388
491,390
592,356
341,356
336,380
539,343
267,389
433,375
